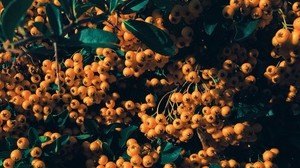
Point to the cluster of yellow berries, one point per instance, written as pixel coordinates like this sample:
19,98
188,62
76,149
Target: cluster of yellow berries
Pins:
286,48
256,9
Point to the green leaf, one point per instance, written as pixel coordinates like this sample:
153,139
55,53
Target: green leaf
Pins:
54,16
125,134
107,150
81,8
1,160
212,18
209,28
91,126
92,38
62,118
169,153
100,4
61,141
42,28
134,6
214,166
23,165
111,128
5,2
245,29
43,139
165,5
11,142
57,144
33,135
83,136
155,38
12,16
99,18
66,6
114,4
4,154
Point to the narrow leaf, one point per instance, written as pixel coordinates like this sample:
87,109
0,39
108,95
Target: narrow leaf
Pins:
107,150
209,28
83,136
81,8
42,28
169,153
91,126
155,38
12,16
5,2
92,38
245,29
4,154
114,4
214,166
100,4
134,6
62,118
125,134
54,16
67,8
33,135
43,139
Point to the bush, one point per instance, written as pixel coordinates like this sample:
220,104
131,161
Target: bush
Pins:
140,83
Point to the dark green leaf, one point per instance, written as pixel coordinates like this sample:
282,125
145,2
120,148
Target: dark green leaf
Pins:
81,8
114,4
245,29
111,128
67,8
33,135
23,165
120,53
12,15
83,136
125,134
165,5
4,154
99,3
92,38
169,153
62,140
212,18
209,28
1,160
134,6
5,2
53,87
43,139
42,28
214,166
107,150
155,38
99,18
54,16
91,126
57,144
11,142
50,120
62,118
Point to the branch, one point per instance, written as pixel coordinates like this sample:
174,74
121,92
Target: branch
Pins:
202,138
66,29
57,64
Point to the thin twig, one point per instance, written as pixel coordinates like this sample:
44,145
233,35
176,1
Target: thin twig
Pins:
66,29
202,138
57,64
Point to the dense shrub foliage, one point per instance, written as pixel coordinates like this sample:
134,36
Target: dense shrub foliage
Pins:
149,83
